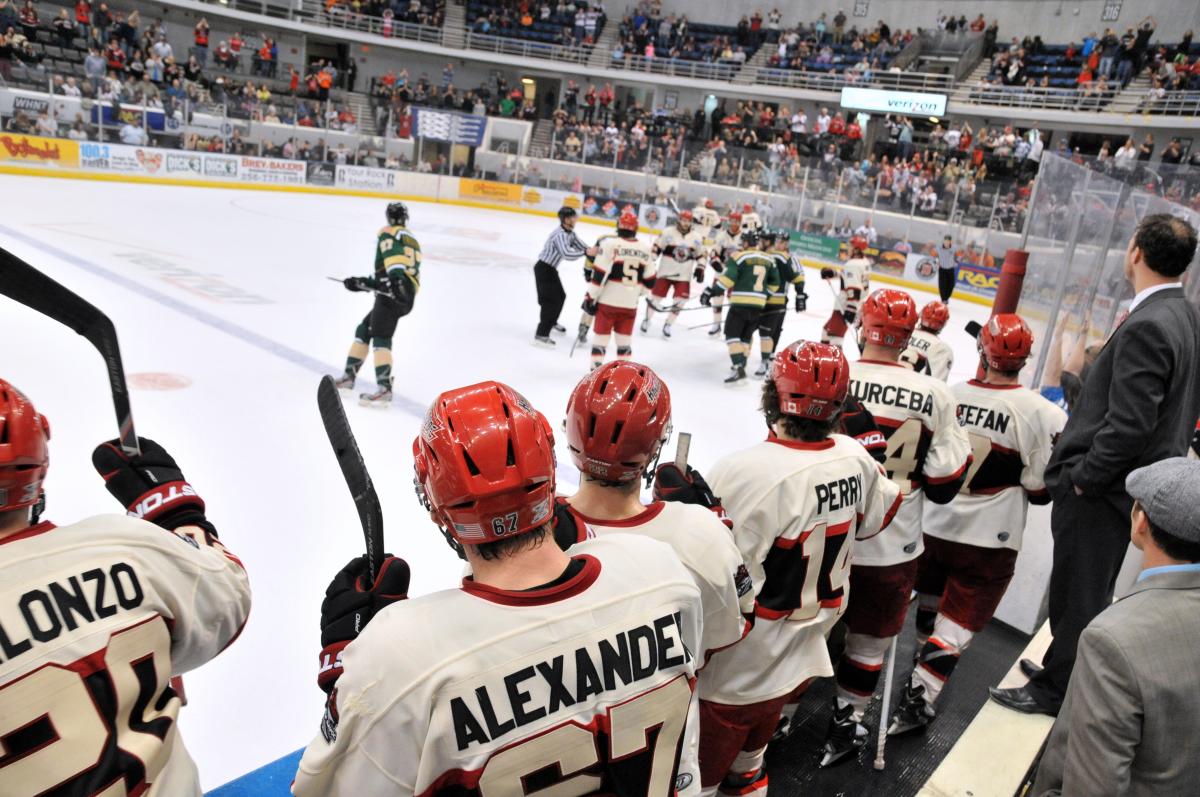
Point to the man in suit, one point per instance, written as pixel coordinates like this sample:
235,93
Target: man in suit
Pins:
1133,707
1138,405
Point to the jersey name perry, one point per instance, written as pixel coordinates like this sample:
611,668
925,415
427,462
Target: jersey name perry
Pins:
66,603
487,712
838,494
893,396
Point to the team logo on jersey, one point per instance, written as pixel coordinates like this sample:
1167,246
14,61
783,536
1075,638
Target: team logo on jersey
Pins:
743,581
682,781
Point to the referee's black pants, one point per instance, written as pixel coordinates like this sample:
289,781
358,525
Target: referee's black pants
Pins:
550,295
947,277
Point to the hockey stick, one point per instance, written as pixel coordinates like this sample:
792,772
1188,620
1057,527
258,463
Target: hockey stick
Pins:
368,290
25,284
682,447
885,709
341,437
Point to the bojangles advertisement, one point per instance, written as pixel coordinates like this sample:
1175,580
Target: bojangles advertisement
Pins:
33,149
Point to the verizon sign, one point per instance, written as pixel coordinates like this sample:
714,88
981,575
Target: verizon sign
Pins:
907,103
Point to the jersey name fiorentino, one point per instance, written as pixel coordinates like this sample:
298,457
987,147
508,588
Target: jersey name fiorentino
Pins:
620,271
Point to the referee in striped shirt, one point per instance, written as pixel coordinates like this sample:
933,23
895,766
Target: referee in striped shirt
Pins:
562,244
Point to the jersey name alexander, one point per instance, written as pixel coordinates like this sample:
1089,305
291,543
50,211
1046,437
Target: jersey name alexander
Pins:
983,418
599,666
63,605
891,395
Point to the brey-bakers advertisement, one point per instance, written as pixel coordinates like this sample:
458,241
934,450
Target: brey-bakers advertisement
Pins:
272,170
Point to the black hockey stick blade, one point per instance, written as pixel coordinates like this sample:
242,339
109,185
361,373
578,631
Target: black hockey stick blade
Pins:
354,470
25,284
974,328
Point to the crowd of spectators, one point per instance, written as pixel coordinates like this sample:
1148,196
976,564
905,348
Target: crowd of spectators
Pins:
647,33
568,23
344,13
855,54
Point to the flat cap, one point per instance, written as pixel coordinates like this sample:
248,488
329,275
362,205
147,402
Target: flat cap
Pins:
1169,492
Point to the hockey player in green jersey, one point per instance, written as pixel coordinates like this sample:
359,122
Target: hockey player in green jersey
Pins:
750,276
395,283
777,244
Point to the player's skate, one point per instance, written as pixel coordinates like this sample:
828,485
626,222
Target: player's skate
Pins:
913,713
745,784
381,398
737,375
845,736
645,325
715,329
763,367
543,342
666,330
560,329
344,382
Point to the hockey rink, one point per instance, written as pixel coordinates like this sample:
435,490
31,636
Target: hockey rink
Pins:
227,321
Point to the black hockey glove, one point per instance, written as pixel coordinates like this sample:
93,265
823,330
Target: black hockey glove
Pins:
587,273
358,284
590,305
698,273
801,301
672,484
149,486
915,360
828,273
718,265
849,316
710,293
349,605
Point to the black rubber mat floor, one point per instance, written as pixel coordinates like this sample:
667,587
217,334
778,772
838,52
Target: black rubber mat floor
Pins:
792,764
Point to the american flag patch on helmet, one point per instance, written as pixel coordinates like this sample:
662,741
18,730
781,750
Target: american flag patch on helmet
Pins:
469,531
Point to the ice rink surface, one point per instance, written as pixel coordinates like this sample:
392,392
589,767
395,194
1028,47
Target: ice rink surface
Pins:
226,322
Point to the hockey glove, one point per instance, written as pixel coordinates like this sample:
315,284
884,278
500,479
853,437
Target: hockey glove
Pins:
828,273
801,301
358,284
710,293
590,305
698,274
718,265
149,486
349,605
915,360
587,273
849,316
672,484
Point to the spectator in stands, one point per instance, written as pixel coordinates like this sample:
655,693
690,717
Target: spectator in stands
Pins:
1146,148
200,41
1132,696
133,135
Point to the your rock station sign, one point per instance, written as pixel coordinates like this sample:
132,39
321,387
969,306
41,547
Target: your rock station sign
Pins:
907,103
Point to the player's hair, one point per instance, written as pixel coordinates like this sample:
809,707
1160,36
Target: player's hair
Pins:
983,364
1172,546
806,429
1168,244
511,546
628,486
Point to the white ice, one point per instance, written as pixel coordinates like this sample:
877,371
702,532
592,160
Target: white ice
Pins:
227,289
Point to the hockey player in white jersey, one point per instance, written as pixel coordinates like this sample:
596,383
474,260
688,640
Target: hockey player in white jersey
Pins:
750,218
725,243
854,279
801,501
564,672
707,219
680,248
618,419
927,456
971,544
927,353
97,616
621,270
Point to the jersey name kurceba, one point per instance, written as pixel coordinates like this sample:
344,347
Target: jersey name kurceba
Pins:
620,271
705,546
790,273
95,618
481,691
679,252
855,282
750,276
1012,431
398,252
799,511
928,354
916,414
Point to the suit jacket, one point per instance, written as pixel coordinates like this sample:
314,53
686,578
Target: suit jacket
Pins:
1139,403
1131,717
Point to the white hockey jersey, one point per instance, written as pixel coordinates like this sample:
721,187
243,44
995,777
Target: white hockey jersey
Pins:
95,619
707,219
620,271
726,243
580,687
855,283
927,353
706,548
926,447
1012,431
800,511
751,221
679,253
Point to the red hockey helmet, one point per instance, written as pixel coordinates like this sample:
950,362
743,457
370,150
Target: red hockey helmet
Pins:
889,318
1005,342
618,418
934,316
747,207
484,463
24,458
708,203
734,218
686,215
812,380
628,221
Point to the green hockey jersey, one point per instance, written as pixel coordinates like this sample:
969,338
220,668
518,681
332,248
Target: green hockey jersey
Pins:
398,251
752,276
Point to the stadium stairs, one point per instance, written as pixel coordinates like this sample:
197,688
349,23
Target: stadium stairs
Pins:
454,25
601,55
749,71
539,143
360,106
